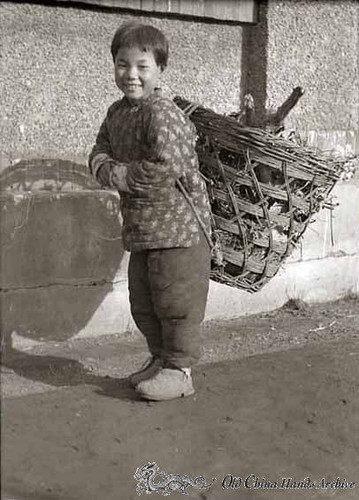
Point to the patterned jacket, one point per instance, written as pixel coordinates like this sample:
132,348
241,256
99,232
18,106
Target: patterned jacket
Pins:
155,142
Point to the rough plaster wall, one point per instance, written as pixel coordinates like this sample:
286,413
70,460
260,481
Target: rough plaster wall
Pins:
56,77
314,44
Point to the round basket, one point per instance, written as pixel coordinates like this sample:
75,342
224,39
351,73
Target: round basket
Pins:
263,191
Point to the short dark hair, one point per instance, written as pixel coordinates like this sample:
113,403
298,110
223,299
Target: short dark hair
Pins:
143,36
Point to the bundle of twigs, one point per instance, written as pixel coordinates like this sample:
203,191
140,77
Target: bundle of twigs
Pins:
263,191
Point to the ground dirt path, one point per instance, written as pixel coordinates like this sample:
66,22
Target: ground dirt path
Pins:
275,414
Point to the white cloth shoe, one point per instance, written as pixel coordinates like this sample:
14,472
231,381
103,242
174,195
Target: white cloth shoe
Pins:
150,368
167,383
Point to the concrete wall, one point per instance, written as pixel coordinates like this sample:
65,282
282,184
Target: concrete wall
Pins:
57,82
63,268
312,44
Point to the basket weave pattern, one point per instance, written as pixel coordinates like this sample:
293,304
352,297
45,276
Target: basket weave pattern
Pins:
263,192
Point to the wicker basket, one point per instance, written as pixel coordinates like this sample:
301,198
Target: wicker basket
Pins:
263,191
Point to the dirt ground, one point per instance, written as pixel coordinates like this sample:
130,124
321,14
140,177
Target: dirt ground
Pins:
275,414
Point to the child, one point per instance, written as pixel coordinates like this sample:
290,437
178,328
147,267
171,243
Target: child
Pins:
145,145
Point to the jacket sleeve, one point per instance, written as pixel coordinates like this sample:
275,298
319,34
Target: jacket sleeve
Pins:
169,149
101,151
107,171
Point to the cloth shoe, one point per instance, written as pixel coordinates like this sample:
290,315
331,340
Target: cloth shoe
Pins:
150,368
167,383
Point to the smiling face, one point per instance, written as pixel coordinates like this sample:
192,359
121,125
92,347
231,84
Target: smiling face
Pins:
136,73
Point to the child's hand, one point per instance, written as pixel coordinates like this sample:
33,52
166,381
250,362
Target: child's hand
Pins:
118,177
103,174
113,175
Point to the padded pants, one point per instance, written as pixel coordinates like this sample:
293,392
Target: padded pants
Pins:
168,294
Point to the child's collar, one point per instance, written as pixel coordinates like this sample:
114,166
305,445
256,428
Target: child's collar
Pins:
157,92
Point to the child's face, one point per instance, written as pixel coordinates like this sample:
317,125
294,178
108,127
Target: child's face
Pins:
136,73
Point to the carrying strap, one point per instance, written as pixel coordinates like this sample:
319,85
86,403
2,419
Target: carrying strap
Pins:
216,252
195,211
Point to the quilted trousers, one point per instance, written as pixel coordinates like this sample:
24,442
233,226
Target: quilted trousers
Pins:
168,293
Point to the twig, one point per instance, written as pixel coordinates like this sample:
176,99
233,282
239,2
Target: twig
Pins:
322,327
